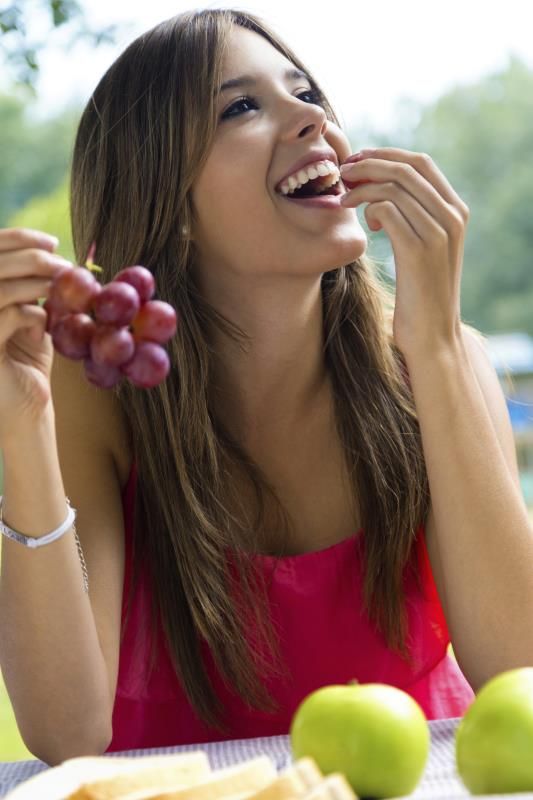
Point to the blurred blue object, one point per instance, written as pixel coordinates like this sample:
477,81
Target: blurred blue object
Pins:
520,412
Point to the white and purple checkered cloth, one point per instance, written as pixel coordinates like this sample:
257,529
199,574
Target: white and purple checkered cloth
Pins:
440,780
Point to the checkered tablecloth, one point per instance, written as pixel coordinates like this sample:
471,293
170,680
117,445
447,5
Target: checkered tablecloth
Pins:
440,781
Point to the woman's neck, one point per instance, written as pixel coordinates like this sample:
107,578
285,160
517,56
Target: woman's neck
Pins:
262,389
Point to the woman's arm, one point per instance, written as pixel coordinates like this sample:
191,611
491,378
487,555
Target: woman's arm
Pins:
58,645
479,536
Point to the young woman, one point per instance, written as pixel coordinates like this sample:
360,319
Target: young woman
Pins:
324,488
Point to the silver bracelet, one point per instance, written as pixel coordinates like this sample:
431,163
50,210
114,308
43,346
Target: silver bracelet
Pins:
34,542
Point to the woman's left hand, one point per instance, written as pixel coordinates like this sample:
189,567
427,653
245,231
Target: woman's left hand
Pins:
425,219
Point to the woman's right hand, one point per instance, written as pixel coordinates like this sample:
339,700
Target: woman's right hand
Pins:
27,267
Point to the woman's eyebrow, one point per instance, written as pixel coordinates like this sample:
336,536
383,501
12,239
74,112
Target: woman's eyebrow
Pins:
248,80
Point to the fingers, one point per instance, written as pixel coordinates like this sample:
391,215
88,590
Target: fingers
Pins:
425,225
425,166
388,216
25,290
409,166
26,238
401,176
32,261
28,265
400,183
14,318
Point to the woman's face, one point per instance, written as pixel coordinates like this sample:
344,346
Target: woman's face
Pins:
243,224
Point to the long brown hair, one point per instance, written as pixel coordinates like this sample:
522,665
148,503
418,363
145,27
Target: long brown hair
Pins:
142,141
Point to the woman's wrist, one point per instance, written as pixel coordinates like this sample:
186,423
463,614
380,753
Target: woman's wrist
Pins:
32,433
34,500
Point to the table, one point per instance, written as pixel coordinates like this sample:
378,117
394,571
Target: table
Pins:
439,782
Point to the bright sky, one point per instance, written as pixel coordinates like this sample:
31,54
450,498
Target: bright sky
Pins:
366,54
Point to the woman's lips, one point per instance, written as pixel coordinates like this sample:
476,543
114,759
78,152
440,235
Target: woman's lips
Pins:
330,201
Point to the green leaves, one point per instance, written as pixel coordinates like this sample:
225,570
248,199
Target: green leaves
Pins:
21,52
11,20
64,10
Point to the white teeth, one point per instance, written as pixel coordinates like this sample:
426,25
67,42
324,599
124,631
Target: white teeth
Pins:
311,172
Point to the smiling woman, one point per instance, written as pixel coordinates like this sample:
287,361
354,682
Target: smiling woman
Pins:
304,499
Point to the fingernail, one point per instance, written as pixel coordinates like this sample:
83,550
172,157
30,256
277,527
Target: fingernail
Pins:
344,168
53,240
62,262
359,155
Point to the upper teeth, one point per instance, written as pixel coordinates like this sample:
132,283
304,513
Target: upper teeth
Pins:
308,173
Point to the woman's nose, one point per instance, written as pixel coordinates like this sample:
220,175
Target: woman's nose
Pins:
304,119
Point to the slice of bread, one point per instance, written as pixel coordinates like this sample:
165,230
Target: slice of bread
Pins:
241,779
294,781
138,778
334,787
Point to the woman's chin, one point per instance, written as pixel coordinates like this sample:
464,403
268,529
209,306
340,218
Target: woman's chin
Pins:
347,247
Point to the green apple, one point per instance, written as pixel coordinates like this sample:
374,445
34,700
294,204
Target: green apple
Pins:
375,734
494,740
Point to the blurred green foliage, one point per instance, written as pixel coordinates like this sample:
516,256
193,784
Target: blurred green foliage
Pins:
50,214
34,155
481,138
20,49
12,748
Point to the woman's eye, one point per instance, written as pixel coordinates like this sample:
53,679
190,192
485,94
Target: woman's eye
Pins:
236,108
316,97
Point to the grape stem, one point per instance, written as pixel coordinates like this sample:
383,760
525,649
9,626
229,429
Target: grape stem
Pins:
89,263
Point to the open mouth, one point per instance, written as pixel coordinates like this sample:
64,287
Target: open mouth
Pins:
317,180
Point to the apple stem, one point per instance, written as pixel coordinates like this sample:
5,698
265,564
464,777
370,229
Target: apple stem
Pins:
353,682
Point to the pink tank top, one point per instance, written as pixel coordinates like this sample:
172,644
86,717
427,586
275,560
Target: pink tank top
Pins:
325,638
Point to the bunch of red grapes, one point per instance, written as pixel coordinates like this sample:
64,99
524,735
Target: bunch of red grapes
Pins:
117,329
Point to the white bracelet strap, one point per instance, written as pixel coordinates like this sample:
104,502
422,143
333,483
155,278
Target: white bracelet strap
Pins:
30,541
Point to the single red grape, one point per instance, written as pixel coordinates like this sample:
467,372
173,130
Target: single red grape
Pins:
116,304
113,346
72,335
73,290
149,366
155,322
141,279
104,376
53,315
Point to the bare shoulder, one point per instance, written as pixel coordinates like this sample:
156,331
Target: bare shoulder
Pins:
93,453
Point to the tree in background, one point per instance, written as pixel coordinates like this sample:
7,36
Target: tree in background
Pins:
49,214
34,156
481,137
21,52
